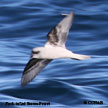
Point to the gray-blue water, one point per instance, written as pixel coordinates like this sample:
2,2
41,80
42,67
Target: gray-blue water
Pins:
65,83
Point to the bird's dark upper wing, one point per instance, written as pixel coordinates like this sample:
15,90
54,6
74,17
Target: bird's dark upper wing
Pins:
33,67
58,35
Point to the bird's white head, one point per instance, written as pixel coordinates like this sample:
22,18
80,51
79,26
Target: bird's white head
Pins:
36,52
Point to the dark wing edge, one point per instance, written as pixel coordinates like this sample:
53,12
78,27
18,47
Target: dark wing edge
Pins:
58,35
32,69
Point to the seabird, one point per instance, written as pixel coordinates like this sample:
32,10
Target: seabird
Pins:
53,49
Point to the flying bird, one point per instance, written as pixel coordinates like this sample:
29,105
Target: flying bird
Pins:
53,49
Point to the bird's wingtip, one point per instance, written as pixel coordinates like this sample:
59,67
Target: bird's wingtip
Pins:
64,14
23,82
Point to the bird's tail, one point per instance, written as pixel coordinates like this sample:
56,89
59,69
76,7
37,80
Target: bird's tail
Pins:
80,57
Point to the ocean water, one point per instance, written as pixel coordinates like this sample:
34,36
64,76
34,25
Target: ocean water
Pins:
65,83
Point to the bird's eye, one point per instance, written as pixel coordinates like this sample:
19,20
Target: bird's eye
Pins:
35,52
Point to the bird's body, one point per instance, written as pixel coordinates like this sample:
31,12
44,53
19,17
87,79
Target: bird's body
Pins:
53,49
52,52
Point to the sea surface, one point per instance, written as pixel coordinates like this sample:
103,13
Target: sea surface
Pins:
64,83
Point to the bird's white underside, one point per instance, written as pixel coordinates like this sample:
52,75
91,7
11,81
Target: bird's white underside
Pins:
55,52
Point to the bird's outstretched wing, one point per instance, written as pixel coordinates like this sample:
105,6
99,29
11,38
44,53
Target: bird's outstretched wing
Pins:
58,35
33,68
